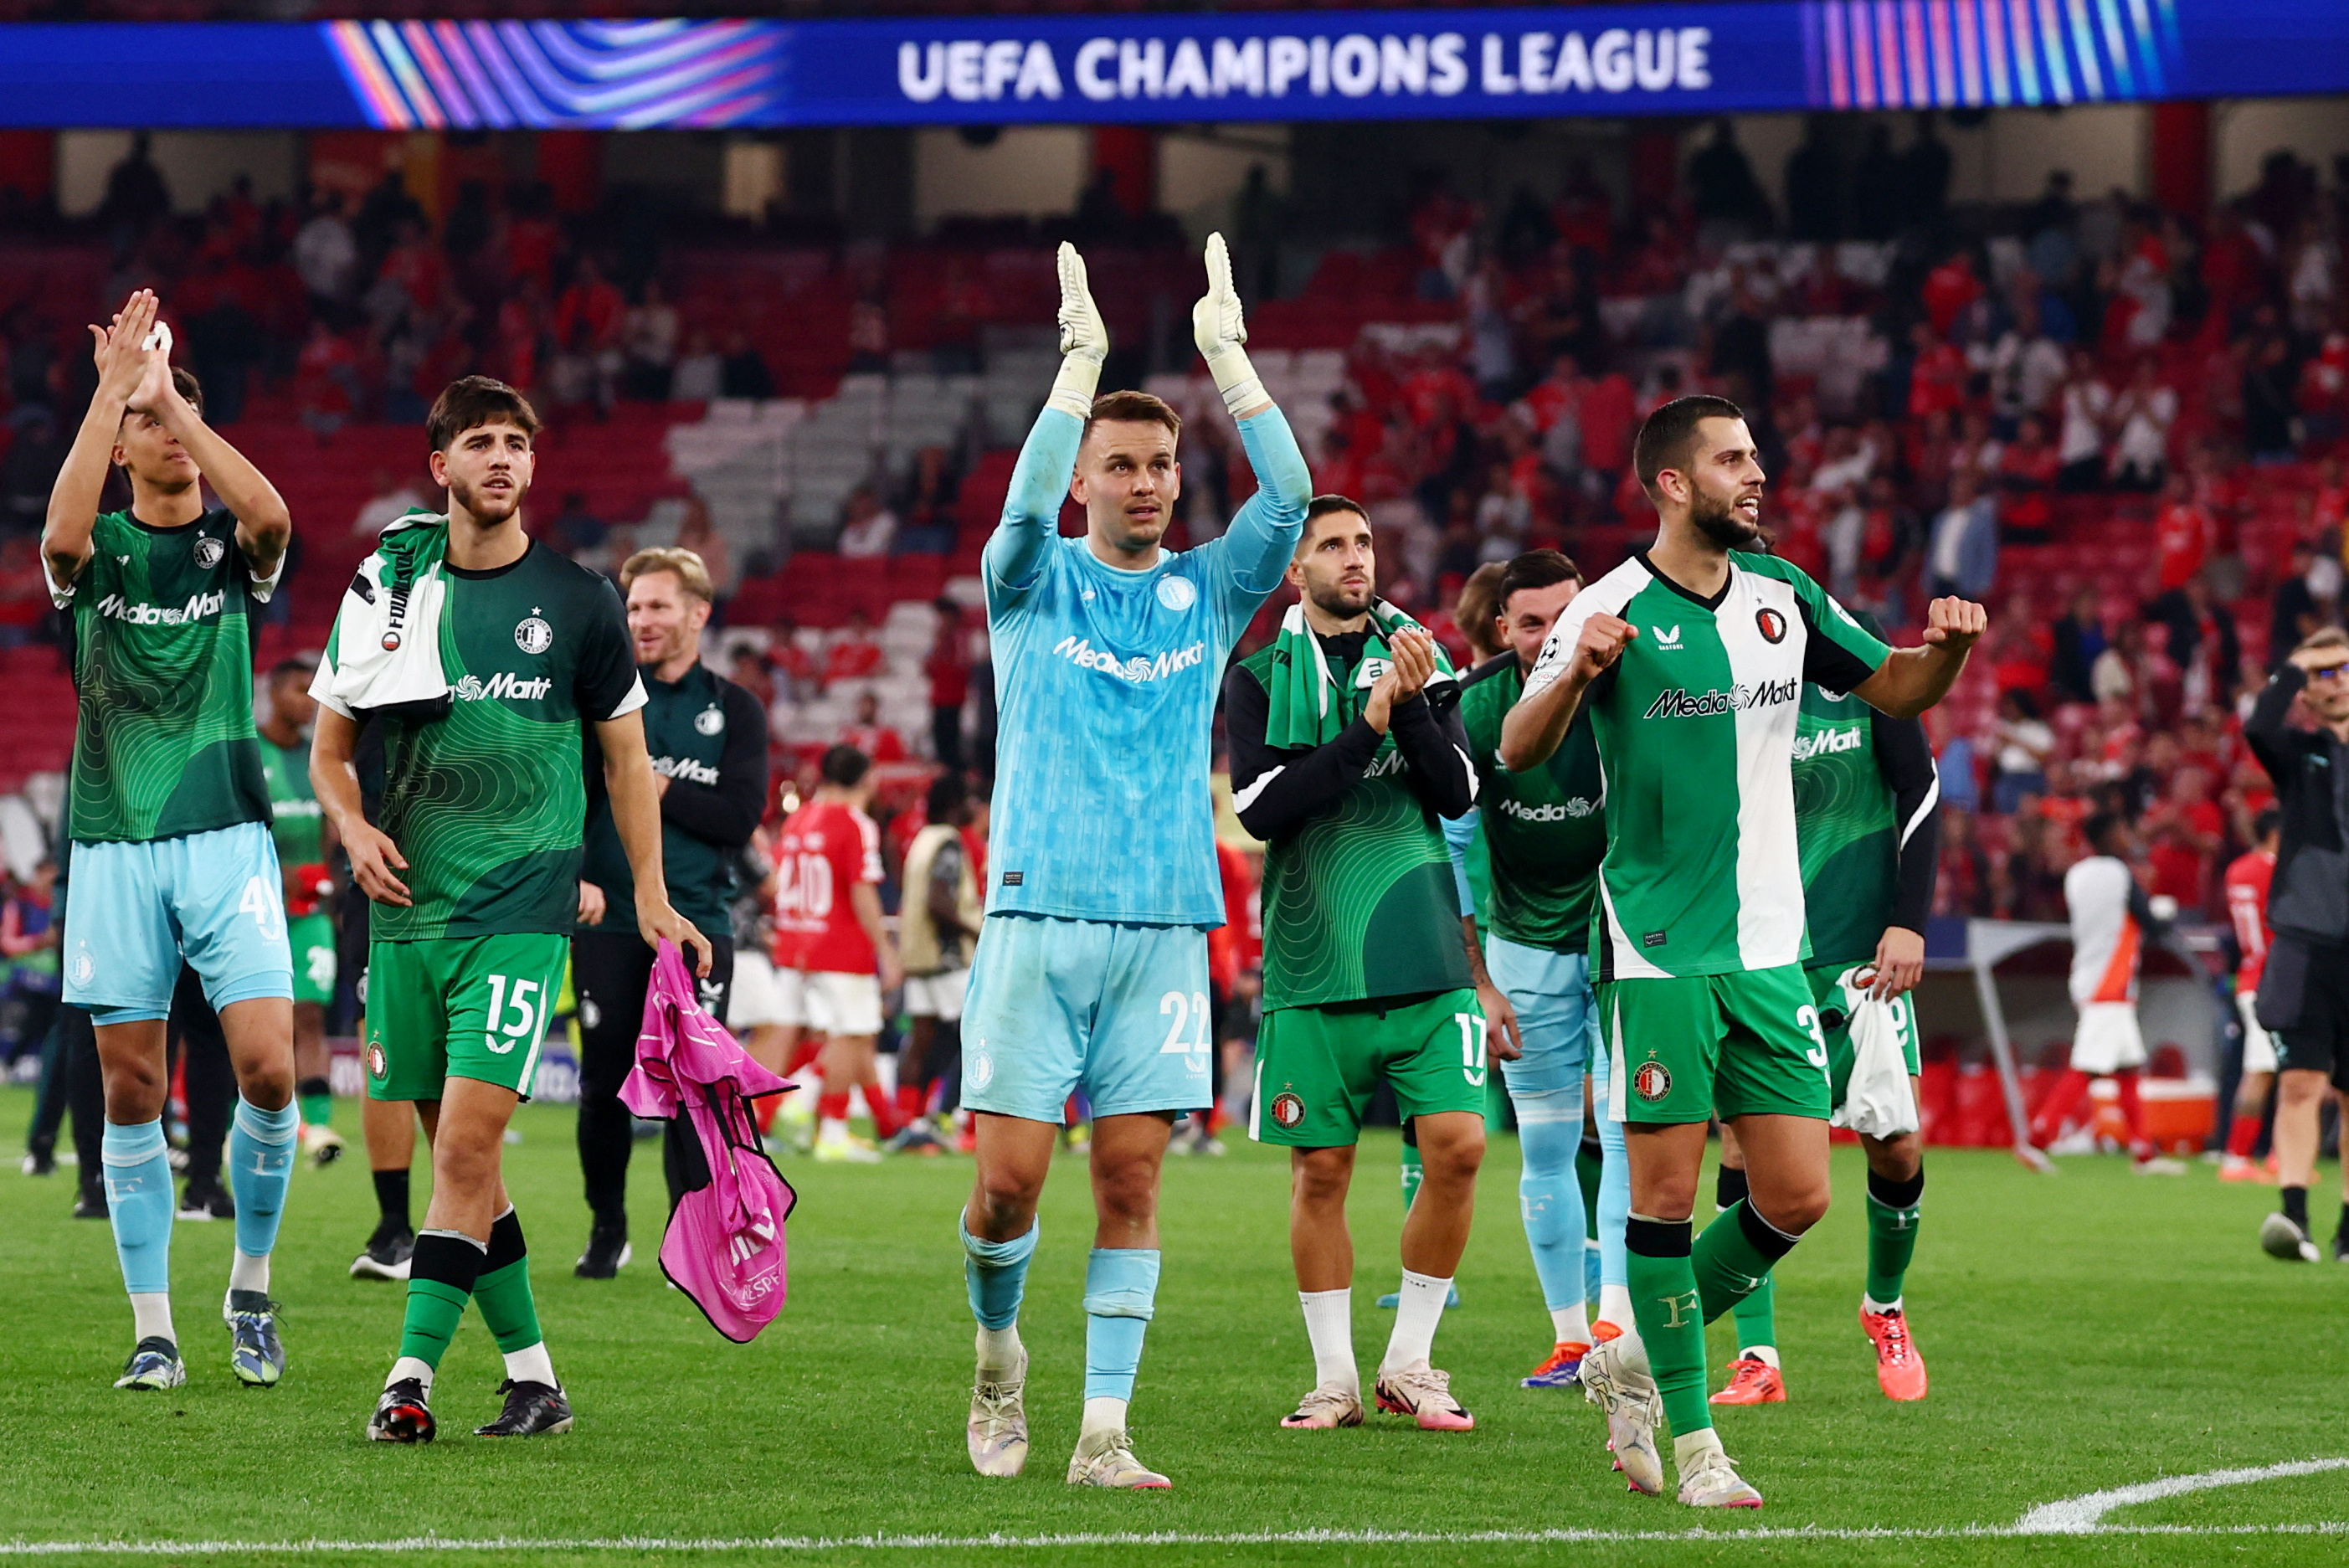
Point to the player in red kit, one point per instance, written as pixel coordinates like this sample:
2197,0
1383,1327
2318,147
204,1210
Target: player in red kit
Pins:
834,957
2247,905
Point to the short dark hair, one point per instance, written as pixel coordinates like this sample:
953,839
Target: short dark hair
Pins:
1664,439
301,664
1479,602
844,765
948,792
2099,827
470,402
1138,408
1533,569
1323,506
2268,821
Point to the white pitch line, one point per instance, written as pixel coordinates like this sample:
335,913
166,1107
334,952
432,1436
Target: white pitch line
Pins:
434,1543
2084,1515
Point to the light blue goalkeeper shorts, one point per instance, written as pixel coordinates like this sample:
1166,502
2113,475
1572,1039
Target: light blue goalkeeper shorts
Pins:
135,912
1557,1022
1056,1005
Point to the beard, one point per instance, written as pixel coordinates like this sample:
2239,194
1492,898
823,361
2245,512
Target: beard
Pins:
1343,602
486,509
1721,522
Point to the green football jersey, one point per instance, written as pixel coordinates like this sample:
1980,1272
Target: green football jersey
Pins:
487,802
296,819
162,660
1546,828
1695,726
685,730
1359,902
1850,834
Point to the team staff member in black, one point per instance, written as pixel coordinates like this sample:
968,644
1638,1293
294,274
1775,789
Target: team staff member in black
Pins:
709,742
2304,997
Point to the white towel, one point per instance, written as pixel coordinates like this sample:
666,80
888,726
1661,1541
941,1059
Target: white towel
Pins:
1878,1101
385,660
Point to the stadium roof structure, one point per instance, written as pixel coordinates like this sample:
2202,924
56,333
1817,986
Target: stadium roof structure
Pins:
1170,67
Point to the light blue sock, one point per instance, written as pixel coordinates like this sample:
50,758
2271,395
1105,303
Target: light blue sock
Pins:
1120,1293
1549,1130
139,1201
996,1273
261,1146
1614,1184
1594,1269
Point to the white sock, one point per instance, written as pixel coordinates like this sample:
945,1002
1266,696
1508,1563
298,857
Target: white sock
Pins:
1767,1355
1417,1312
150,1316
999,1350
1870,1304
409,1367
1570,1323
248,1274
1102,1415
832,1127
1632,1352
531,1365
1689,1452
1615,1306
1329,1326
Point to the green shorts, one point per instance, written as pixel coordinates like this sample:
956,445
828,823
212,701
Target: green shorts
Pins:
460,1007
1684,1048
1835,1005
311,937
1317,1067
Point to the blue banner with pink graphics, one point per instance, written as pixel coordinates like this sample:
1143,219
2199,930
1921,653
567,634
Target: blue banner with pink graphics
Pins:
1769,55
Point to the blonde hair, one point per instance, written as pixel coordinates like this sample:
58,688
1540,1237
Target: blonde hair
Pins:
689,569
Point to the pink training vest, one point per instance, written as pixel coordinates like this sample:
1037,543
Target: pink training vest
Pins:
724,1247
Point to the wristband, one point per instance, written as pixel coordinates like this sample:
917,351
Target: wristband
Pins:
1072,388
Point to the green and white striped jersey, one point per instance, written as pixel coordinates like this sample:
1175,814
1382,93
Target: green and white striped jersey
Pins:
1696,724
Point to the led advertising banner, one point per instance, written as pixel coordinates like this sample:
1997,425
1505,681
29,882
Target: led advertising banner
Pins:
1362,65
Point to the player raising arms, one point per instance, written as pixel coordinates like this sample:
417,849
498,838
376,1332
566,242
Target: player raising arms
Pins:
1346,748
474,871
1691,656
1091,966
170,816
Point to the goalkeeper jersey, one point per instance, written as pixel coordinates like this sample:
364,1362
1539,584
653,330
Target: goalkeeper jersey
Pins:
1695,724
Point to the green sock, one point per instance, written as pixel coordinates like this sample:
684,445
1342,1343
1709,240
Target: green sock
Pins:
317,1110
1892,1210
1585,1172
1412,1175
1734,1255
434,1311
1757,1325
503,1289
1665,1305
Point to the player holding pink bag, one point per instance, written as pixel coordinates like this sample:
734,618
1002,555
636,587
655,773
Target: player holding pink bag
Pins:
724,1247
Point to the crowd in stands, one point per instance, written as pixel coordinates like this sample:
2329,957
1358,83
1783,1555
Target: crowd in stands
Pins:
2122,426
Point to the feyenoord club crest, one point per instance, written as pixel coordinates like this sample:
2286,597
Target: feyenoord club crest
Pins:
532,635
208,552
710,720
1653,1082
1287,1110
1771,624
375,1059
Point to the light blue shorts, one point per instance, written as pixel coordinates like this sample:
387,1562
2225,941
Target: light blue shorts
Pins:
134,911
1057,1005
1556,1019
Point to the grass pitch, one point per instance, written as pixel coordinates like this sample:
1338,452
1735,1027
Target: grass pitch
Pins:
2087,1331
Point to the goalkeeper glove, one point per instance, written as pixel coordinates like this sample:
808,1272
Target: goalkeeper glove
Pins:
1219,330
1084,341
